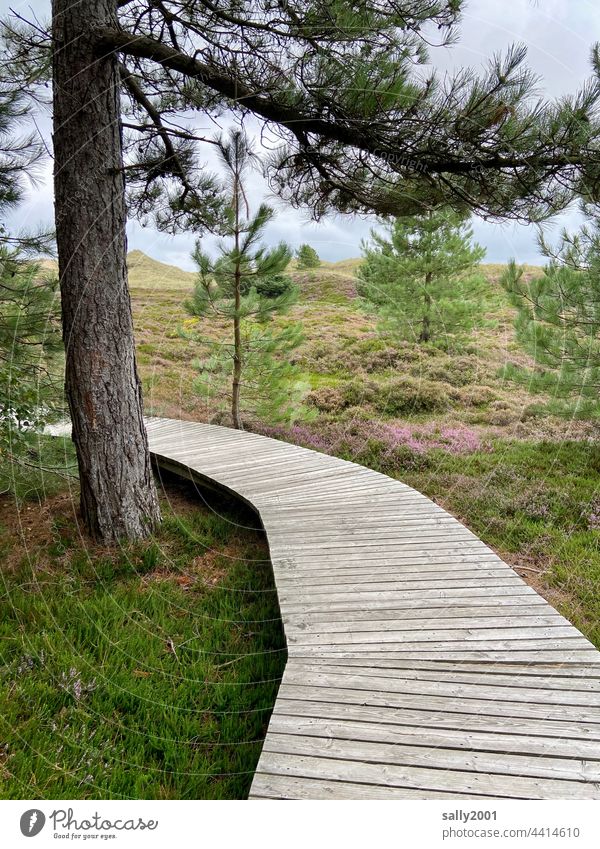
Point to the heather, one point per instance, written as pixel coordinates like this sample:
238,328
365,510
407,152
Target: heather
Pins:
380,445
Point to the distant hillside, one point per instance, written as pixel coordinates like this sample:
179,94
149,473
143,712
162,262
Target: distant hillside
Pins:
144,272
148,273
330,280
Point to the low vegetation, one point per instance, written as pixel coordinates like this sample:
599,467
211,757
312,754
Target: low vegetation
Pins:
157,677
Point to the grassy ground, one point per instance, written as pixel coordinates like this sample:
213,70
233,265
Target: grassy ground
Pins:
146,672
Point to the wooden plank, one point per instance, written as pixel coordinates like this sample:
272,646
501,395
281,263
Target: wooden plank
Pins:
575,673
289,600
495,655
351,623
375,561
496,786
365,576
504,607
531,676
435,756
305,674
576,753
340,590
429,701
430,635
426,718
267,786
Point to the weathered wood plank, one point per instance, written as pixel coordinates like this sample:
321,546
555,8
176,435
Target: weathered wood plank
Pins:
280,786
436,756
496,786
427,718
306,675
436,737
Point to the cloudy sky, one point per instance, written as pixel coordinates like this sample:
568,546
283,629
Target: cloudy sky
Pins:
558,34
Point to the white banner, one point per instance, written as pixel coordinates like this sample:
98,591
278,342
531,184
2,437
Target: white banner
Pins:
309,825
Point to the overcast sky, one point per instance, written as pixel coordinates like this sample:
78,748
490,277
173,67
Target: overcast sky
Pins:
558,33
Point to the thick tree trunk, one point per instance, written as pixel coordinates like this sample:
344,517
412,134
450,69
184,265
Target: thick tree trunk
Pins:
118,497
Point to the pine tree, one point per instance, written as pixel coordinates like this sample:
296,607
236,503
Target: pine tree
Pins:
246,286
307,257
29,343
558,322
421,277
29,309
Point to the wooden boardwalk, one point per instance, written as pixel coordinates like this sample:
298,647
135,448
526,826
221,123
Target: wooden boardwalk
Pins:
420,665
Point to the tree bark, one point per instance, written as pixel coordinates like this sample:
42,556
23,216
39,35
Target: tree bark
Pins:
237,295
118,497
426,325
237,363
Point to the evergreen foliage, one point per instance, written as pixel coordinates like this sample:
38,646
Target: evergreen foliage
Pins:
29,339
30,390
421,276
246,286
307,257
558,322
367,121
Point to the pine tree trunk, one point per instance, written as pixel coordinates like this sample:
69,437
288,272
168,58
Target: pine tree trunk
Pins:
118,497
237,370
237,330
426,324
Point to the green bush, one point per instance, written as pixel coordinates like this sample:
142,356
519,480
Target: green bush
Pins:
405,395
398,396
473,396
307,257
274,287
458,371
387,358
327,399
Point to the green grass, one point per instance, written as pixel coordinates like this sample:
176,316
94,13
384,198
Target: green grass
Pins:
42,468
145,672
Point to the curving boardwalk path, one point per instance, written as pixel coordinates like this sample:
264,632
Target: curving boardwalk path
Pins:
419,665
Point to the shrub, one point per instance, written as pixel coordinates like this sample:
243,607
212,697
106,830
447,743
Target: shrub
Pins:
358,392
307,257
387,358
327,399
404,395
502,418
458,371
274,287
328,358
385,447
473,396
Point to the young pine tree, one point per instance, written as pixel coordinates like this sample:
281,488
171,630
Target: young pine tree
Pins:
29,344
307,257
421,277
246,286
558,322
30,341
